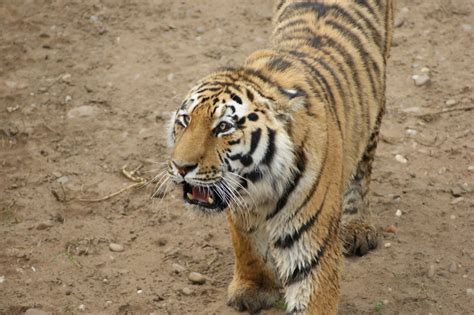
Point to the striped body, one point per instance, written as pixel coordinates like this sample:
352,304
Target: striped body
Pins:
285,143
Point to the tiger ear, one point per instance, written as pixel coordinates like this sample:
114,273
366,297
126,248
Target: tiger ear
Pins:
295,101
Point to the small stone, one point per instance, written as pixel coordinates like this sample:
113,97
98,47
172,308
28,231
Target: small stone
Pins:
457,200
466,188
451,102
400,158
431,271
391,229
468,27
11,109
170,77
187,291
177,268
425,70
398,213
68,98
387,245
63,180
116,247
35,311
139,291
2,279
81,307
83,111
453,267
108,303
457,191
421,80
94,18
411,132
44,225
66,77
399,20
200,29
470,291
162,241
470,168
452,217
385,302
196,278
442,170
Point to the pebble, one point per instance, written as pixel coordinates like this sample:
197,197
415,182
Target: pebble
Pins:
431,271
421,80
452,217
68,98
83,111
398,213
170,77
2,279
470,291
466,188
400,158
457,200
177,268
36,311
391,229
457,191
116,247
196,278
81,307
387,245
451,102
162,241
425,70
63,180
470,168
399,20
442,170
468,27
108,303
187,291
453,267
200,29
44,225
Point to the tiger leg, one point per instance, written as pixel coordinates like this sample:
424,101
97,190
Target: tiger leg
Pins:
254,285
359,234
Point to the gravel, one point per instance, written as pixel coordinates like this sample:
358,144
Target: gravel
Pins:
177,268
187,291
453,267
400,158
431,271
196,278
421,80
114,247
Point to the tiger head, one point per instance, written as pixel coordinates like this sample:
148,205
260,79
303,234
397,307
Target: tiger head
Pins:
230,147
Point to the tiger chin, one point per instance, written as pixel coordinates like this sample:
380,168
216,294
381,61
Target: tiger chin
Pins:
284,144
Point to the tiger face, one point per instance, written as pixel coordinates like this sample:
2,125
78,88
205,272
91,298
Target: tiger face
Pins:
224,140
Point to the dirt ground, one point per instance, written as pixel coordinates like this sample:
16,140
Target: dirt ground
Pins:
85,88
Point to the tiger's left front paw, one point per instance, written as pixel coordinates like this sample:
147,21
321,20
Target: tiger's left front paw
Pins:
359,237
251,298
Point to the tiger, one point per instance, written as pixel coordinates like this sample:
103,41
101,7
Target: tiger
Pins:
283,145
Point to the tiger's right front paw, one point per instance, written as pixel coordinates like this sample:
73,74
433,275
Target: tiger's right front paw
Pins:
251,297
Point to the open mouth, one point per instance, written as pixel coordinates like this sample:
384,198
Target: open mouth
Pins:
203,196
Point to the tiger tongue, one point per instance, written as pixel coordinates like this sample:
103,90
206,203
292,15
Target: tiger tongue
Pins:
201,194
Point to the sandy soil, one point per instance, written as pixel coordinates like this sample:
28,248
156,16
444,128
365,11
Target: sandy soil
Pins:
85,87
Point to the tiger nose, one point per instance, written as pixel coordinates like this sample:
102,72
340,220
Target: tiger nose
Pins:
184,169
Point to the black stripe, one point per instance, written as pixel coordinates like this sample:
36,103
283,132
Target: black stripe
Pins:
250,95
255,139
254,175
236,98
292,9
234,142
290,187
270,152
366,5
278,64
289,240
302,271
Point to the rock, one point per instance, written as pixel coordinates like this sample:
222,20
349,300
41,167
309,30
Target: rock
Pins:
451,102
466,188
196,278
114,247
425,70
36,311
83,111
81,307
2,279
44,225
431,271
387,245
108,303
421,80
187,291
457,191
442,170
457,200
162,241
452,217
470,168
411,132
400,158
200,29
170,77
453,267
399,20
470,291
63,180
398,213
68,98
468,27
177,268
391,229
66,77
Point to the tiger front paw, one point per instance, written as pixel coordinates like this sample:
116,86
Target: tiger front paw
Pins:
359,238
251,297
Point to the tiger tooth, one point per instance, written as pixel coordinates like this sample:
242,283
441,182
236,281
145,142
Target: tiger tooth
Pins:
210,200
190,196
